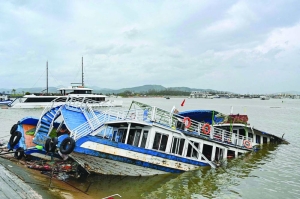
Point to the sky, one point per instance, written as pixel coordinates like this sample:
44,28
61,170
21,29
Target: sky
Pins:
246,47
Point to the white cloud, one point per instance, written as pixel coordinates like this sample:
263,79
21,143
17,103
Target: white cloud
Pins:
235,46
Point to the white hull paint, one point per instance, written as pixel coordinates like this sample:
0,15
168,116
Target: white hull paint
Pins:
109,169
112,103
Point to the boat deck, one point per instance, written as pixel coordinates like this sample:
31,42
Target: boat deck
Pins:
14,187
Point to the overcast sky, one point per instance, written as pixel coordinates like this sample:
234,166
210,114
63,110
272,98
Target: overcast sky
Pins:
238,46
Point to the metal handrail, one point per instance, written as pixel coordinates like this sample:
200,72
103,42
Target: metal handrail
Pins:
85,128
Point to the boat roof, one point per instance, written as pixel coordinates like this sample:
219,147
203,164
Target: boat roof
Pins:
205,116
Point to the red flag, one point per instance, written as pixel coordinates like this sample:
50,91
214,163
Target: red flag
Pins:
182,103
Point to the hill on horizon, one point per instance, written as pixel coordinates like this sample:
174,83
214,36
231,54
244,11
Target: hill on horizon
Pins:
136,89
96,89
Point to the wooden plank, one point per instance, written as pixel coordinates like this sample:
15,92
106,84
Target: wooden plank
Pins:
14,187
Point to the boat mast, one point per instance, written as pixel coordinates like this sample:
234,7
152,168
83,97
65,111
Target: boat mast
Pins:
82,74
47,77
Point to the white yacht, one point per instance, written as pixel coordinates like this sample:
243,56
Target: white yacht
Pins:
41,101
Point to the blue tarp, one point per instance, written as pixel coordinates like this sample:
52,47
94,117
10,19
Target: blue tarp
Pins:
202,115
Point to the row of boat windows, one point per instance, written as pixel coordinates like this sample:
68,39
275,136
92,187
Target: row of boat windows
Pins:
250,135
138,138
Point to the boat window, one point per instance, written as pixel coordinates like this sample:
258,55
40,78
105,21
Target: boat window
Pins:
258,139
177,145
191,152
98,99
137,136
144,139
242,132
81,92
250,135
39,99
131,136
160,142
265,140
119,136
207,151
134,137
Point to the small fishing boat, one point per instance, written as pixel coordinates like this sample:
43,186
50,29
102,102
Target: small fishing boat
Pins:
143,140
4,100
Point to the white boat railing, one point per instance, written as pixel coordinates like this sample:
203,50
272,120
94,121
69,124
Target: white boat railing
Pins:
86,128
144,114
175,121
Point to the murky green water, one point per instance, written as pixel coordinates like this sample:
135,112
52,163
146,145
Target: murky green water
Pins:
272,172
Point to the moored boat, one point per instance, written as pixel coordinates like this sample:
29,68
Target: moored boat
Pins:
41,101
5,100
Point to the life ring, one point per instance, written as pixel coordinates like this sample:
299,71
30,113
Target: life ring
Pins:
50,144
206,128
14,139
187,122
13,128
247,144
19,153
67,145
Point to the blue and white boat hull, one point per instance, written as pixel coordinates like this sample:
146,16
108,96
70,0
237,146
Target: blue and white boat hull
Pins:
111,158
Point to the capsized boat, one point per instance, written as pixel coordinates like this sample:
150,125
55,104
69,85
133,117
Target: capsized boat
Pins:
143,140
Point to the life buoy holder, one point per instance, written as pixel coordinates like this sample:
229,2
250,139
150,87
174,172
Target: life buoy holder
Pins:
14,139
206,128
247,144
187,122
67,145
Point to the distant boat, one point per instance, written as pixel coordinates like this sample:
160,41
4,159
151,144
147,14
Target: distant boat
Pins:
167,97
4,100
75,90
41,101
263,97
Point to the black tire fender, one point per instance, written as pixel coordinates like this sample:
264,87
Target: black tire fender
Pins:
67,145
13,128
14,139
19,154
52,144
47,144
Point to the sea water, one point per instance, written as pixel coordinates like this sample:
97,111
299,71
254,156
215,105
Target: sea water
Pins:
272,172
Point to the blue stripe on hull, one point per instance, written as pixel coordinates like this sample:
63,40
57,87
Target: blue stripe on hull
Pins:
139,150
125,160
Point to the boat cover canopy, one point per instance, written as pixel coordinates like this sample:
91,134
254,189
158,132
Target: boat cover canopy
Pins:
202,115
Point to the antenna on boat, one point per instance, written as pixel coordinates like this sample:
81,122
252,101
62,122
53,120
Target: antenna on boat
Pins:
47,77
82,74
